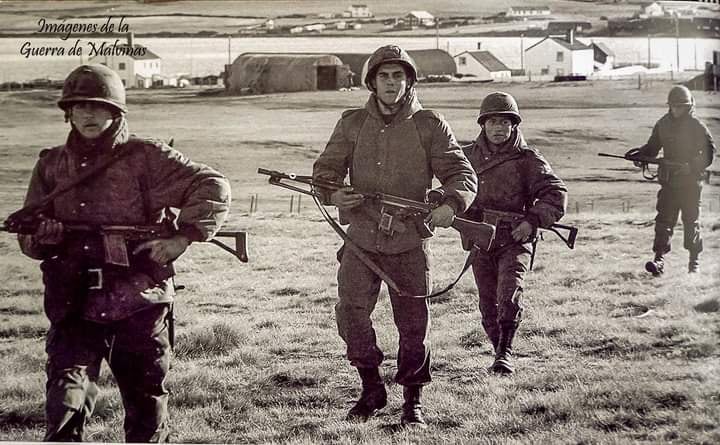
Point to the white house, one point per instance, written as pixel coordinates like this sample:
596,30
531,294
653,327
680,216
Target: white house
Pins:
482,65
357,11
527,11
556,56
419,18
668,8
134,63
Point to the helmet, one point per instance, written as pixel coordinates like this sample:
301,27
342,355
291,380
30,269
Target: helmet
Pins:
680,95
390,54
499,103
93,83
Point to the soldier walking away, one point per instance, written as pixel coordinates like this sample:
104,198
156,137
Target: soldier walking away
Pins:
391,145
97,310
518,193
684,140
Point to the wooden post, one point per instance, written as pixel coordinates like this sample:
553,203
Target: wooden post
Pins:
252,203
577,206
292,200
298,203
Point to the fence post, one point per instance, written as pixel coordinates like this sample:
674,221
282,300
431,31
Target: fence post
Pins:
577,206
298,203
292,200
252,203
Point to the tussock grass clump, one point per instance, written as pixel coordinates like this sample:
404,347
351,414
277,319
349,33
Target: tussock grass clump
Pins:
218,339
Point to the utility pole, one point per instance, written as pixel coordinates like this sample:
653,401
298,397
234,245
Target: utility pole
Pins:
437,33
229,45
677,40
649,51
522,51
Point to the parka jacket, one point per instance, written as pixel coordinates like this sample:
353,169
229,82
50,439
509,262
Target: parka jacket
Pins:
685,139
516,179
399,158
133,190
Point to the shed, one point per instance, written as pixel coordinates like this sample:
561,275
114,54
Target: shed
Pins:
482,65
260,73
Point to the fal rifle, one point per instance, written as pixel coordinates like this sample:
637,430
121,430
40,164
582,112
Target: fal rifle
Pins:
644,161
480,233
26,220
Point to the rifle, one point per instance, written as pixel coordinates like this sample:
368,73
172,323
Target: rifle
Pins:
644,161
25,221
482,234
514,218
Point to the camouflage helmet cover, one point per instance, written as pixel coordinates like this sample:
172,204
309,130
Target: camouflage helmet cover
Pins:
680,95
390,54
93,83
499,103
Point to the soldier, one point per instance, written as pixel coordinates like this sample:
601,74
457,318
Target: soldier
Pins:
99,311
518,193
686,140
391,145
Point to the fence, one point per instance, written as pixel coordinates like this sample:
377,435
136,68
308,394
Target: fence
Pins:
293,204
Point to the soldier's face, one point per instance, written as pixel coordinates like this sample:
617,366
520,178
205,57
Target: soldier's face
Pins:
679,110
91,118
390,83
498,129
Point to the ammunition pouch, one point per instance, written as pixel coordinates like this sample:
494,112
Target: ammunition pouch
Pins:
504,222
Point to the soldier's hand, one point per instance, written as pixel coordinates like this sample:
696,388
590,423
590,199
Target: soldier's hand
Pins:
49,231
523,232
164,250
345,199
442,216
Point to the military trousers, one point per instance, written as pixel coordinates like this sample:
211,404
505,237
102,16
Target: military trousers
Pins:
358,289
671,203
499,276
137,350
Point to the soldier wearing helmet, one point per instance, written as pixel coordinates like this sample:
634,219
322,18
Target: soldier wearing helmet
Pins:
518,193
685,140
391,145
104,311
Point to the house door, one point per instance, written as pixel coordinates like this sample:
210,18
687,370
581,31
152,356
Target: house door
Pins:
326,77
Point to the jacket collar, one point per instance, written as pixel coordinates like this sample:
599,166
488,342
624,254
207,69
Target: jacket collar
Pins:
411,105
117,134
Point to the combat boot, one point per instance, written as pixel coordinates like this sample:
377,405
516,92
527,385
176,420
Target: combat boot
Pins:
372,398
503,353
657,266
694,263
412,415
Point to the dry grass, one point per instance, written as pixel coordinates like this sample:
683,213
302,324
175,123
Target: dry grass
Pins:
606,354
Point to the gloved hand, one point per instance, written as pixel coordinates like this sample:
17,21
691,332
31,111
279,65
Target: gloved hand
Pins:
442,216
164,250
523,232
631,154
345,199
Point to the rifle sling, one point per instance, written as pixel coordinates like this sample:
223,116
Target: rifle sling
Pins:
495,162
81,178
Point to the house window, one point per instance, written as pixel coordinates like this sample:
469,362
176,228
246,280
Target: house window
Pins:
560,56
462,61
544,71
121,66
123,81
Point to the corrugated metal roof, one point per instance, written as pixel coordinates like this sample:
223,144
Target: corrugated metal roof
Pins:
421,14
489,61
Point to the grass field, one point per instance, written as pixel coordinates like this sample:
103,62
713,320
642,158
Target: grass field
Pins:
606,353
